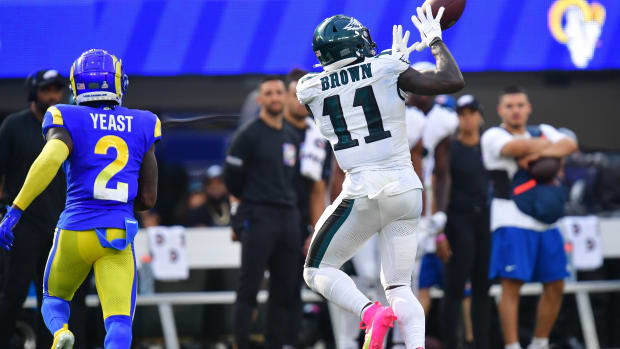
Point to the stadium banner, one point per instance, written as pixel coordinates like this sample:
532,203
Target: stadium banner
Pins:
218,37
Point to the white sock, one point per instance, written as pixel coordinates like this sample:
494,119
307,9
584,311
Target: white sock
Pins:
539,343
345,327
514,345
337,287
409,314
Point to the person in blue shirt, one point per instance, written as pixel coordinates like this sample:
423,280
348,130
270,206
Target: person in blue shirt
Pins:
107,154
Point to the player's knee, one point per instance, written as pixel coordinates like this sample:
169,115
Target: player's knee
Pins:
118,332
55,312
554,289
309,274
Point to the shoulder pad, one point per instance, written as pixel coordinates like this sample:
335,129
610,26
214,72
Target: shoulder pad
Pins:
307,77
308,87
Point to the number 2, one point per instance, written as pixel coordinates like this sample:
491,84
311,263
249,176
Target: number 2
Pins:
100,191
365,98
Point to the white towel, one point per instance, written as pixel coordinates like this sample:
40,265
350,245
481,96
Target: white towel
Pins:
312,154
585,236
167,246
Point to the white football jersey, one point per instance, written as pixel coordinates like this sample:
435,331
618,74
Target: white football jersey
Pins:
415,125
361,111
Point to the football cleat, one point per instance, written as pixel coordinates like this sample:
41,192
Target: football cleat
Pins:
377,320
63,338
98,76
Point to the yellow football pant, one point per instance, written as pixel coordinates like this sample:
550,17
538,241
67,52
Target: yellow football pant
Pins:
73,255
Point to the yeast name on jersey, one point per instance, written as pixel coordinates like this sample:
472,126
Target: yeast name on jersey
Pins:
111,122
343,77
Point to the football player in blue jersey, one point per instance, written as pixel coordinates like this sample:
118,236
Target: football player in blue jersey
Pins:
107,153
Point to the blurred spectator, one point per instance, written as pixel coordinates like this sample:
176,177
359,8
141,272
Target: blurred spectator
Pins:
310,182
260,173
526,246
207,202
467,230
21,142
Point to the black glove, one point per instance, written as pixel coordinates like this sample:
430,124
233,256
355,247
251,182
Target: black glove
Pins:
239,222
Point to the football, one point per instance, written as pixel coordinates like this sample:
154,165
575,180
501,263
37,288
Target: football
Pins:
544,170
452,12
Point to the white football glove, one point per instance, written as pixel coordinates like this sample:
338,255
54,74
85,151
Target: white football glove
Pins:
399,43
429,27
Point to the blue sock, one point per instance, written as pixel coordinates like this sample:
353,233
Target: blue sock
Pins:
55,312
118,332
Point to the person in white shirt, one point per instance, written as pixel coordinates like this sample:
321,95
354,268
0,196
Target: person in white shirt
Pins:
524,248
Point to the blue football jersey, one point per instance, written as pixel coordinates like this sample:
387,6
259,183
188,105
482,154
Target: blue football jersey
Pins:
102,170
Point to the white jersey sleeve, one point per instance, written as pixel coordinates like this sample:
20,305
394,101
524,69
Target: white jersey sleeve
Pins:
308,87
440,123
492,142
551,133
415,125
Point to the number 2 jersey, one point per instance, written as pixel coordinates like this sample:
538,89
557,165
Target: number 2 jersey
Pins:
102,171
361,111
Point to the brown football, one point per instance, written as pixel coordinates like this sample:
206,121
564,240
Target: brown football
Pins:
544,170
453,11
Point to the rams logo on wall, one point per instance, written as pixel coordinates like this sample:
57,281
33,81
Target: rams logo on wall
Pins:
580,30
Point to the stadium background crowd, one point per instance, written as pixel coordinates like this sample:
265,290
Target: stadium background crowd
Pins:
192,190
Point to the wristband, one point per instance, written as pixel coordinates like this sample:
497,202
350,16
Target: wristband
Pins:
441,237
439,219
234,206
434,41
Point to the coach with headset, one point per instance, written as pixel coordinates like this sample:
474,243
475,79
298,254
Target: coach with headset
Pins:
21,141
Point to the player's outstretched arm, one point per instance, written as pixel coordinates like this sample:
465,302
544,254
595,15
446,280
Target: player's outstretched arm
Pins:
446,78
41,173
147,182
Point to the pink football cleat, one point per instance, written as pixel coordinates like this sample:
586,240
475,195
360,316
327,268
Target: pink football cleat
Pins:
377,320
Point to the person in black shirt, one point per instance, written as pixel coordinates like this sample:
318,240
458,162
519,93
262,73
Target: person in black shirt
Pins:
21,141
467,229
260,172
313,171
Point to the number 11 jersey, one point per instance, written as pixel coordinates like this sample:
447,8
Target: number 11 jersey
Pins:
361,111
102,171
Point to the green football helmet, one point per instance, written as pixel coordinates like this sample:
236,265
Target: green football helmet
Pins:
340,40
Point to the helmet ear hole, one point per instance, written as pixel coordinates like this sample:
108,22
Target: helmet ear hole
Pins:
334,29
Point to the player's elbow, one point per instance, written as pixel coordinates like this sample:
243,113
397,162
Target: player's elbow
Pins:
147,200
571,146
459,83
454,83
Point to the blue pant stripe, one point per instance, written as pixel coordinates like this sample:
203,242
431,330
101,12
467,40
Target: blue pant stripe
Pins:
50,259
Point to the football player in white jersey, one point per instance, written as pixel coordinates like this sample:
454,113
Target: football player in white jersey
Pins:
359,107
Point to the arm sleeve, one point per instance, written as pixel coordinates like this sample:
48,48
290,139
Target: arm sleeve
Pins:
42,172
236,161
493,141
53,118
551,133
